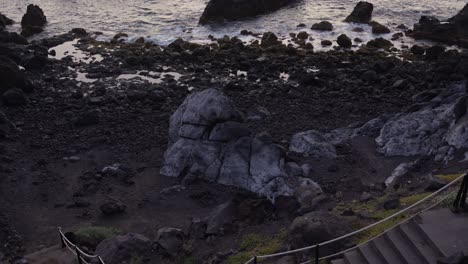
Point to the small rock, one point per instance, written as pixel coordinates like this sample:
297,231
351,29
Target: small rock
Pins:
112,207
344,41
323,26
370,76
434,184
302,35
365,197
392,203
269,39
88,118
378,28
121,249
417,50
170,241
434,52
326,43
14,97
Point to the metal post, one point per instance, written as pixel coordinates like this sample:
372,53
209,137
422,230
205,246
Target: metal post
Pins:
317,254
101,261
255,260
78,255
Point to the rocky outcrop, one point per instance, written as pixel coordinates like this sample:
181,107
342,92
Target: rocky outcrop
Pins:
121,249
5,21
220,10
344,41
12,83
452,32
169,241
207,140
362,13
33,21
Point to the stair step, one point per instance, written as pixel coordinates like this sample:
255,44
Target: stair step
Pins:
338,261
419,242
404,247
388,252
426,237
371,254
354,257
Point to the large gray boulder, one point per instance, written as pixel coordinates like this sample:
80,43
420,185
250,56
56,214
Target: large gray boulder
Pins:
312,144
220,10
208,140
121,249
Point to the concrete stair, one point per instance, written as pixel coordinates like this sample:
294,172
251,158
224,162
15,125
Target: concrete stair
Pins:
407,243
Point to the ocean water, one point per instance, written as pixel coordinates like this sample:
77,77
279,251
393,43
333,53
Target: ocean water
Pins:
164,21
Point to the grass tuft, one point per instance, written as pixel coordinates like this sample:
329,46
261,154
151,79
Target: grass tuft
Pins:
257,244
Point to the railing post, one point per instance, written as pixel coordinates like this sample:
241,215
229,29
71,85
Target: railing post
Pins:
101,261
255,260
459,202
78,255
317,252
62,240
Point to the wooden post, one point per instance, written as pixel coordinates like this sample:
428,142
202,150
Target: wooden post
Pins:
317,254
255,260
78,255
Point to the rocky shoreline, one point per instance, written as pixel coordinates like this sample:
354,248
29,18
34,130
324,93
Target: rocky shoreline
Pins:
256,138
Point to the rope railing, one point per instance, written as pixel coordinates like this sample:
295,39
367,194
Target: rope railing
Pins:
318,246
79,253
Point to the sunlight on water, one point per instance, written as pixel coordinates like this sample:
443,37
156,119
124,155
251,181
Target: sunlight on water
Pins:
163,21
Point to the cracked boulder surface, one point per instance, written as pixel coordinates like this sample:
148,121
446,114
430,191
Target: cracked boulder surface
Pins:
207,140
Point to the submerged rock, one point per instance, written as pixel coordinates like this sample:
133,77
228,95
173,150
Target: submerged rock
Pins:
378,28
362,13
220,10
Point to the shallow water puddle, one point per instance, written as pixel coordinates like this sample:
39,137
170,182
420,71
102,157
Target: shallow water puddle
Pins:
81,76
69,49
151,77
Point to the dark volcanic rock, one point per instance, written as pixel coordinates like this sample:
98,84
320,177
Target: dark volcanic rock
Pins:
121,249
453,32
323,26
417,50
169,241
13,37
219,10
88,118
362,13
5,21
326,43
34,17
344,41
378,28
434,52
112,207
269,39
380,43
14,97
30,31
11,76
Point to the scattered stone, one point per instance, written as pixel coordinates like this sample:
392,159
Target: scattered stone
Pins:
14,97
362,13
121,249
434,52
87,118
81,32
391,203
380,43
197,229
434,184
344,41
302,35
170,241
315,227
365,197
112,207
370,76
322,26
378,28
417,50
326,43
269,39
401,171
258,114
312,144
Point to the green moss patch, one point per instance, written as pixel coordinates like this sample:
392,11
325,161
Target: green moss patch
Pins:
257,244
